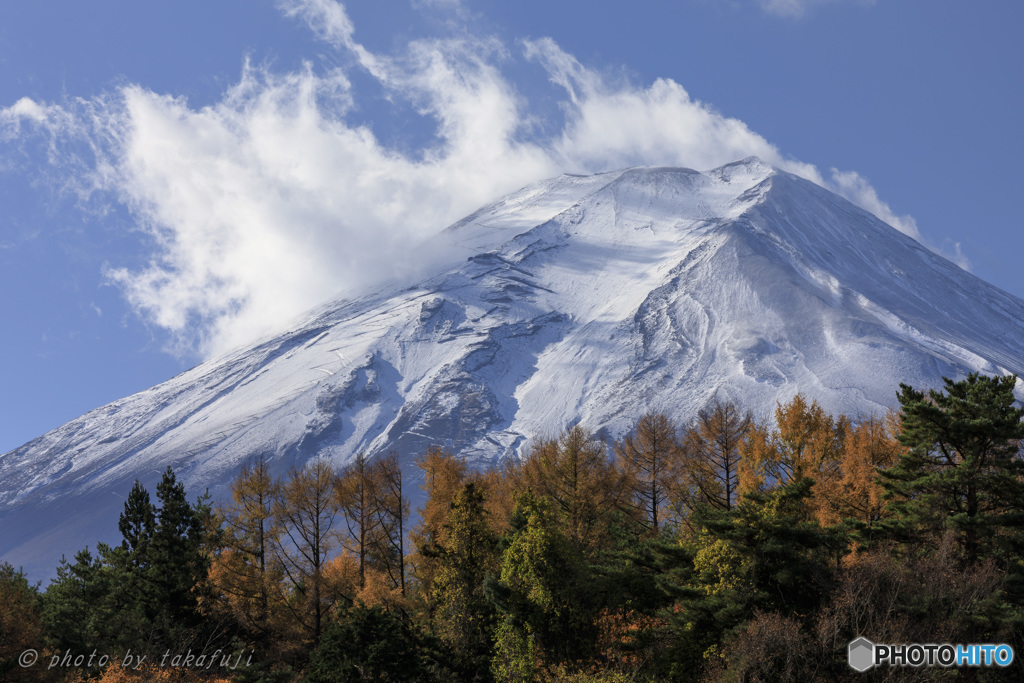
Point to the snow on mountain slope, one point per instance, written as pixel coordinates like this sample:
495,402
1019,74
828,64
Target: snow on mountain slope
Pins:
579,298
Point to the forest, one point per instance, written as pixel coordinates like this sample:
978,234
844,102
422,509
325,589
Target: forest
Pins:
718,550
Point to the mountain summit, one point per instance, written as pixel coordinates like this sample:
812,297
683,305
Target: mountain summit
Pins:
580,298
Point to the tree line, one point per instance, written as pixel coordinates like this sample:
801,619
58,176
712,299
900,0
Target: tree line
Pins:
718,550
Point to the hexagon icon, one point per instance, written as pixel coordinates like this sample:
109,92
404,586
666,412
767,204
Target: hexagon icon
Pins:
861,654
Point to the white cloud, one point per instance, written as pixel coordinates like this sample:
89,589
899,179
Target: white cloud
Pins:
330,23
268,203
856,188
616,125
454,10
796,8
271,200
23,109
787,8
25,117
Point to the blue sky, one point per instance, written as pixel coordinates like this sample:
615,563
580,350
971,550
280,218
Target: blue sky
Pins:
178,178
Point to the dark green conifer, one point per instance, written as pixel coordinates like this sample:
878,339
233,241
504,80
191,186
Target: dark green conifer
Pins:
136,524
542,594
71,602
761,556
467,552
368,644
175,554
963,471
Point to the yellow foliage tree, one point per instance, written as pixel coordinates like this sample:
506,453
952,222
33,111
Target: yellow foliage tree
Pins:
650,458
575,473
246,574
20,625
443,476
307,512
154,673
807,442
375,509
857,493
501,484
341,578
712,453
391,509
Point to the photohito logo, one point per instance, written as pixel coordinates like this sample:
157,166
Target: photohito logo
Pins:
862,655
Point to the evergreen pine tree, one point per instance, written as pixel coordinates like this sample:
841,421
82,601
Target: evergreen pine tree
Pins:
368,644
108,602
72,604
177,564
137,523
763,555
546,616
141,595
466,553
963,470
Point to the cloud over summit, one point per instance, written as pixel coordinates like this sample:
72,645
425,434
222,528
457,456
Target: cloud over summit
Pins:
276,198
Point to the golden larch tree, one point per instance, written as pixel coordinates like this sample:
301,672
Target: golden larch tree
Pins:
807,442
307,512
246,572
443,476
712,449
870,446
650,455
575,473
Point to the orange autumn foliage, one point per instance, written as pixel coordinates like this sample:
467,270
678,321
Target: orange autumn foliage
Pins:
856,493
712,449
575,473
807,442
842,458
443,475
379,591
650,458
341,578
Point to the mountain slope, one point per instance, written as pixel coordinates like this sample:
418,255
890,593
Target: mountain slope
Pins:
579,298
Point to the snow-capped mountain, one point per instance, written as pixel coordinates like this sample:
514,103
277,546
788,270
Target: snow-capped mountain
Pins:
589,298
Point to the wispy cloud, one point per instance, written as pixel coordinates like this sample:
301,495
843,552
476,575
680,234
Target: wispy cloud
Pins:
272,200
796,8
858,190
613,125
